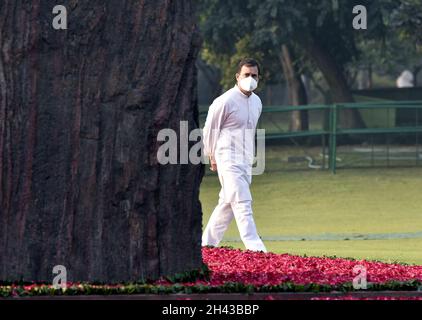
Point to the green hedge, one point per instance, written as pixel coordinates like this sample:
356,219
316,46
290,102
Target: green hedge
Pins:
131,289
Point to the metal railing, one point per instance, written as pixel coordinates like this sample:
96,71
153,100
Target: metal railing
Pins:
333,130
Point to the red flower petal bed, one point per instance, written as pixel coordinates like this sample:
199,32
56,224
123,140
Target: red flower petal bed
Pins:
236,271
258,269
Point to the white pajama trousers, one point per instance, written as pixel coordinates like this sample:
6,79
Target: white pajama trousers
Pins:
221,219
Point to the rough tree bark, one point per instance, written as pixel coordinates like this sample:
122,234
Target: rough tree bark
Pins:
297,92
80,110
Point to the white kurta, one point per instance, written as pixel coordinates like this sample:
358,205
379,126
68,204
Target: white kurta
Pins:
229,136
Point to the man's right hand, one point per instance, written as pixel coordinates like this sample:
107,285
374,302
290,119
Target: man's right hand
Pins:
213,164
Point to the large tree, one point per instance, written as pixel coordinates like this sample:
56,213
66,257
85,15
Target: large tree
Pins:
80,110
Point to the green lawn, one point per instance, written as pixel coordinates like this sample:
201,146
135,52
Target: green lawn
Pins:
364,203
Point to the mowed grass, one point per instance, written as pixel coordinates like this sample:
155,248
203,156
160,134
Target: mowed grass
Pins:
315,203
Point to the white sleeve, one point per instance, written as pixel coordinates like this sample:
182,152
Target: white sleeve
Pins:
213,125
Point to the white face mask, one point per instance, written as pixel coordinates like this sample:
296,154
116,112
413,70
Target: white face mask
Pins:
248,84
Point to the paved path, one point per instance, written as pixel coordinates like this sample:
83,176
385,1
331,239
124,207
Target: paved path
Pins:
339,237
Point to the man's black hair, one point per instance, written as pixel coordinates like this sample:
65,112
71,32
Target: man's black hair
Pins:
249,62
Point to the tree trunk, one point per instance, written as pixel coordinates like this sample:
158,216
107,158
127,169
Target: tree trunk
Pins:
297,91
213,77
416,72
370,77
334,75
80,110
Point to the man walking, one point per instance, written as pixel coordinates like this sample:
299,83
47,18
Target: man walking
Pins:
229,141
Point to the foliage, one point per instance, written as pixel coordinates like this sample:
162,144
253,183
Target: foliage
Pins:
235,29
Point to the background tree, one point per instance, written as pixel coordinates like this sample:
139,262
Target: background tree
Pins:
320,32
392,49
407,24
226,52
408,18
80,111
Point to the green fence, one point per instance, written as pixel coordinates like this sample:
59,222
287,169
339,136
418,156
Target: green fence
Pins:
386,119
335,130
